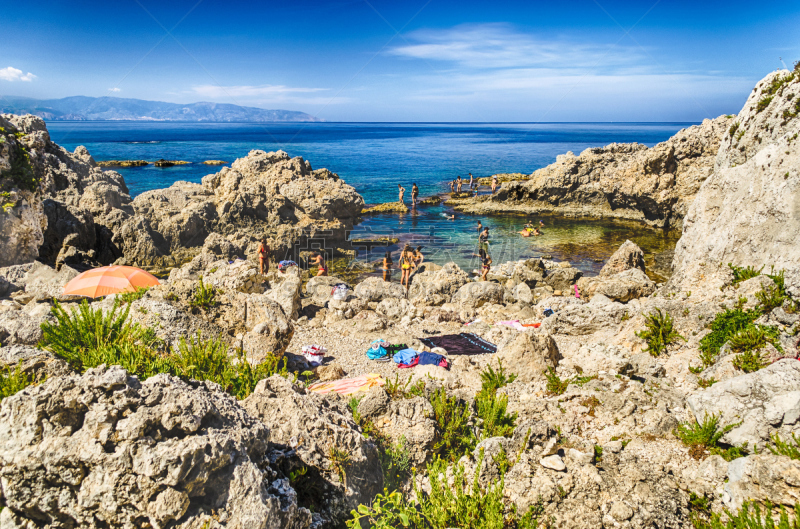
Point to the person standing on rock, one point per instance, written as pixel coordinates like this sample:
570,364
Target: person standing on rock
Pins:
263,256
471,178
387,267
486,263
458,184
494,183
406,265
452,186
414,193
319,261
402,191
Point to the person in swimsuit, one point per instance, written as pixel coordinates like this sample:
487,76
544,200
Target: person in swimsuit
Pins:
471,179
541,223
458,184
402,191
263,256
414,194
418,257
537,232
486,263
480,227
494,183
406,265
319,260
483,239
452,186
387,267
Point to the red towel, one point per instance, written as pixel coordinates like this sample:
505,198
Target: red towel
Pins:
412,364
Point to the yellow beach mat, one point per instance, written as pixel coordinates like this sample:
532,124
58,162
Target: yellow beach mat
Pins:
348,386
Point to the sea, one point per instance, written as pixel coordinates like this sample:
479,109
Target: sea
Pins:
375,157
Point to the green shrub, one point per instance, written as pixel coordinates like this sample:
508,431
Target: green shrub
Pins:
790,448
700,437
555,386
732,130
209,360
750,361
491,408
464,504
13,380
130,297
205,297
763,103
88,337
659,332
706,382
398,390
769,298
22,174
743,273
724,325
453,419
396,464
750,517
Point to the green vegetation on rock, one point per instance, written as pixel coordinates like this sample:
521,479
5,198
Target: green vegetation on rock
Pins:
13,380
659,332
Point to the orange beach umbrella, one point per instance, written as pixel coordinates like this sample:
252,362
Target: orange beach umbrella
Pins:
109,280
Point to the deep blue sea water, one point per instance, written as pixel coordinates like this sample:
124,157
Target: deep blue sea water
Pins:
375,157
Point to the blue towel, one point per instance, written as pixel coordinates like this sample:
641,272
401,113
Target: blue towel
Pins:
405,356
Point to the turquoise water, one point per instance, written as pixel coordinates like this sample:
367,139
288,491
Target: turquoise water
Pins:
375,157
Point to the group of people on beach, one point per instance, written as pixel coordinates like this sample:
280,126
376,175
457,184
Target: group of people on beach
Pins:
315,259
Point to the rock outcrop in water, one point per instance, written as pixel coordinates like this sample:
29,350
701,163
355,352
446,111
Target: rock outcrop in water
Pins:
622,180
261,195
58,207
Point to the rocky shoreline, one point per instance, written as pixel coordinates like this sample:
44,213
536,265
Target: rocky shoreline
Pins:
611,401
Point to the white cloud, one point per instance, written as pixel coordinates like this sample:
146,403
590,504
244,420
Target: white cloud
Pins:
215,91
496,46
115,89
12,74
267,95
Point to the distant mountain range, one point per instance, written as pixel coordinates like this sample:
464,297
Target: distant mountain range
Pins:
82,108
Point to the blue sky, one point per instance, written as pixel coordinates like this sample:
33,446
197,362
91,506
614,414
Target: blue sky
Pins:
417,60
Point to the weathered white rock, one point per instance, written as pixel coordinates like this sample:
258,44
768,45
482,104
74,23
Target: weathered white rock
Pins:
553,462
766,402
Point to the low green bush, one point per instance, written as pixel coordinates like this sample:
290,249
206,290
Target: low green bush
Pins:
659,332
555,386
705,436
399,390
750,516
741,273
453,419
87,337
490,407
464,504
205,296
13,380
789,448
724,325
130,297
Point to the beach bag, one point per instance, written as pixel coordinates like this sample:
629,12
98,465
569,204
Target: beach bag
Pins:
548,312
339,292
314,354
377,349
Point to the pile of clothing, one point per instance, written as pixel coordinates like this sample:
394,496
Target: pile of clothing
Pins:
380,350
284,265
339,291
408,357
314,354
